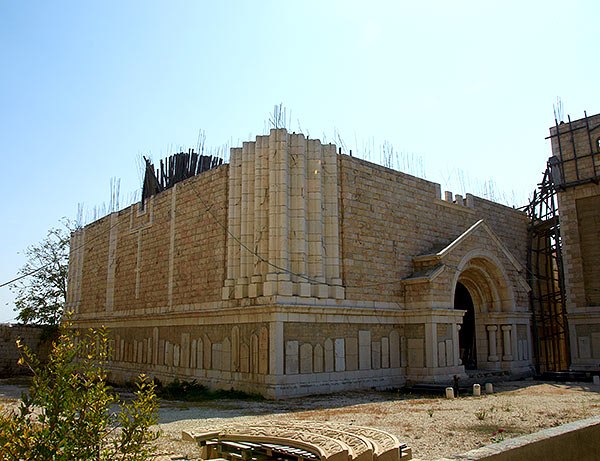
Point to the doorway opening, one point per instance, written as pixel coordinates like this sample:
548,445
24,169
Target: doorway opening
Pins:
466,335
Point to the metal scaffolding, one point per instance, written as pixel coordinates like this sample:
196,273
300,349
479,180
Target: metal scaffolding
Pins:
545,274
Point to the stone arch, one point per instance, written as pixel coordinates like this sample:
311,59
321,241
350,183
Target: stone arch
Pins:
482,288
487,281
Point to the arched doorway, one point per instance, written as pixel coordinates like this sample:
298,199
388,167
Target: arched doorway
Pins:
466,335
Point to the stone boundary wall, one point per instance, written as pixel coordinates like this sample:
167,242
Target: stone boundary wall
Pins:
579,441
31,336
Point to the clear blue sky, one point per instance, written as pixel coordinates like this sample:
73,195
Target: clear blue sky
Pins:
468,87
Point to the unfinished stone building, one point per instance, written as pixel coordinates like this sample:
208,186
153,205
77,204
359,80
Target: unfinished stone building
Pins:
295,270
565,256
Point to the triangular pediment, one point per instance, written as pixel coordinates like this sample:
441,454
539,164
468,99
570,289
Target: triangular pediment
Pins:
429,266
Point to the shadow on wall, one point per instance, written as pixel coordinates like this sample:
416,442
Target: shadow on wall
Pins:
38,338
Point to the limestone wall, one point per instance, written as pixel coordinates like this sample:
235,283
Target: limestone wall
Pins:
387,218
168,255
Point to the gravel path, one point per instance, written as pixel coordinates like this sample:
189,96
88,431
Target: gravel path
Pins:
433,427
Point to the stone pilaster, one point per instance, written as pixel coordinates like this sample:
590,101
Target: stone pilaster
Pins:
507,334
112,263
76,258
456,345
283,207
492,345
172,246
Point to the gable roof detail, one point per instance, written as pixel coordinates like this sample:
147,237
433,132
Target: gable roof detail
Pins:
481,224
432,264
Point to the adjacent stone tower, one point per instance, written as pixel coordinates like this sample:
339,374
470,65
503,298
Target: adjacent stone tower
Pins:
576,171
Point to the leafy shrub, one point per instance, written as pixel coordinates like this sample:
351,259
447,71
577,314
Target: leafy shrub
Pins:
66,414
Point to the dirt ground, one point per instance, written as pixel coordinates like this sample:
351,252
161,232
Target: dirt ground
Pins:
433,427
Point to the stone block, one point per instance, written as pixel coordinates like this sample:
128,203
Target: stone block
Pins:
351,346
207,352
375,355
596,345
585,347
320,291
216,356
364,349
318,359
269,288
340,359
449,353
193,355
176,355
255,290
141,352
306,358
200,354
385,352
241,291
442,354
329,355
226,355
304,290
291,357
403,352
394,349
185,350
227,292
336,292
263,351
244,358
416,353
285,288
168,354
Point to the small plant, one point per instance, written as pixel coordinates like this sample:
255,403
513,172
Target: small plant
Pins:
507,408
481,414
66,414
430,412
498,436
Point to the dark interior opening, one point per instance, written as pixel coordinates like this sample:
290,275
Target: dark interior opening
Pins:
466,335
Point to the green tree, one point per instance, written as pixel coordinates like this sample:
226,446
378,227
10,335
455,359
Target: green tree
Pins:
67,413
40,296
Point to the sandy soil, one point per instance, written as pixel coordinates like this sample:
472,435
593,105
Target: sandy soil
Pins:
432,427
